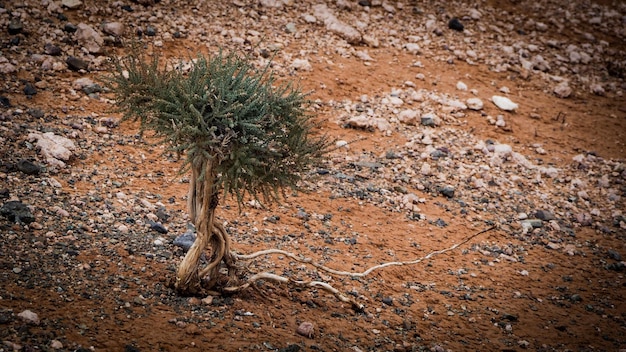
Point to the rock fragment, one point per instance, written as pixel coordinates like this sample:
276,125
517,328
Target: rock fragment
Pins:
504,103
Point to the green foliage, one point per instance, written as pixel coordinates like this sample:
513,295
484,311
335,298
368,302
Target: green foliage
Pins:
255,132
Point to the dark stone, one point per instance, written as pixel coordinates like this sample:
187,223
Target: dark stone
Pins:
15,41
92,89
150,31
613,254
162,214
158,227
76,64
36,113
290,348
51,49
127,8
177,34
509,317
61,17
544,215
28,167
4,193
388,301
428,121
441,223
456,25
5,102
17,212
70,28
365,3
131,348
30,89
447,191
15,27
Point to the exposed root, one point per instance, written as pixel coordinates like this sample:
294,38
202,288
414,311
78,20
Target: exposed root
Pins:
325,286
310,284
356,274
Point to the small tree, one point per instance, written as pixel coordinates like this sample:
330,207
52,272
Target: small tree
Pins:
241,132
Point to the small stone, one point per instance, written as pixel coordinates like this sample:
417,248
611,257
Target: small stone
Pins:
461,86
51,49
150,31
29,89
562,90
584,219
71,4
553,245
114,28
613,254
89,38
456,25
70,28
301,65
428,120
76,64
17,211
306,329
504,103
28,167
544,215
474,103
56,344
29,317
447,191
15,26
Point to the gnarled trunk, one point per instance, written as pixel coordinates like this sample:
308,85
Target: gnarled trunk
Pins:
202,202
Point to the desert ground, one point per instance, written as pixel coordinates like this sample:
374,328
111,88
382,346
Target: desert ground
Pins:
490,156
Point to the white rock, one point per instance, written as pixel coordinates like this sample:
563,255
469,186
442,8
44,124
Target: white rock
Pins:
309,18
82,82
504,103
29,317
412,48
345,31
474,103
276,4
408,116
461,86
88,38
475,14
341,143
425,170
363,121
396,101
597,89
114,28
7,68
56,344
562,90
301,65
502,149
54,148
71,4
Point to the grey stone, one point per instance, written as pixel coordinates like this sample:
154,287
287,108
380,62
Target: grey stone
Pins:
17,212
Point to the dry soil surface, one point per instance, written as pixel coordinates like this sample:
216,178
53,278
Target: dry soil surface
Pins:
418,168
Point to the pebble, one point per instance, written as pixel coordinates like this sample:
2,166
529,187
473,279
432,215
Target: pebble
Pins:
28,167
504,103
17,212
56,344
461,86
447,191
474,103
29,317
76,64
456,25
306,329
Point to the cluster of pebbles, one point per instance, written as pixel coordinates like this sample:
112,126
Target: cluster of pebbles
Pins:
59,47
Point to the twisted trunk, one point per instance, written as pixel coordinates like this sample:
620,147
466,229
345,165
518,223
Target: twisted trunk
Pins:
202,202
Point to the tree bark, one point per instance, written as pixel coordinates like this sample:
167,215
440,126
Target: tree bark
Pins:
202,202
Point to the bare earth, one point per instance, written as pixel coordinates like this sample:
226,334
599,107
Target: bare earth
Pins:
96,274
